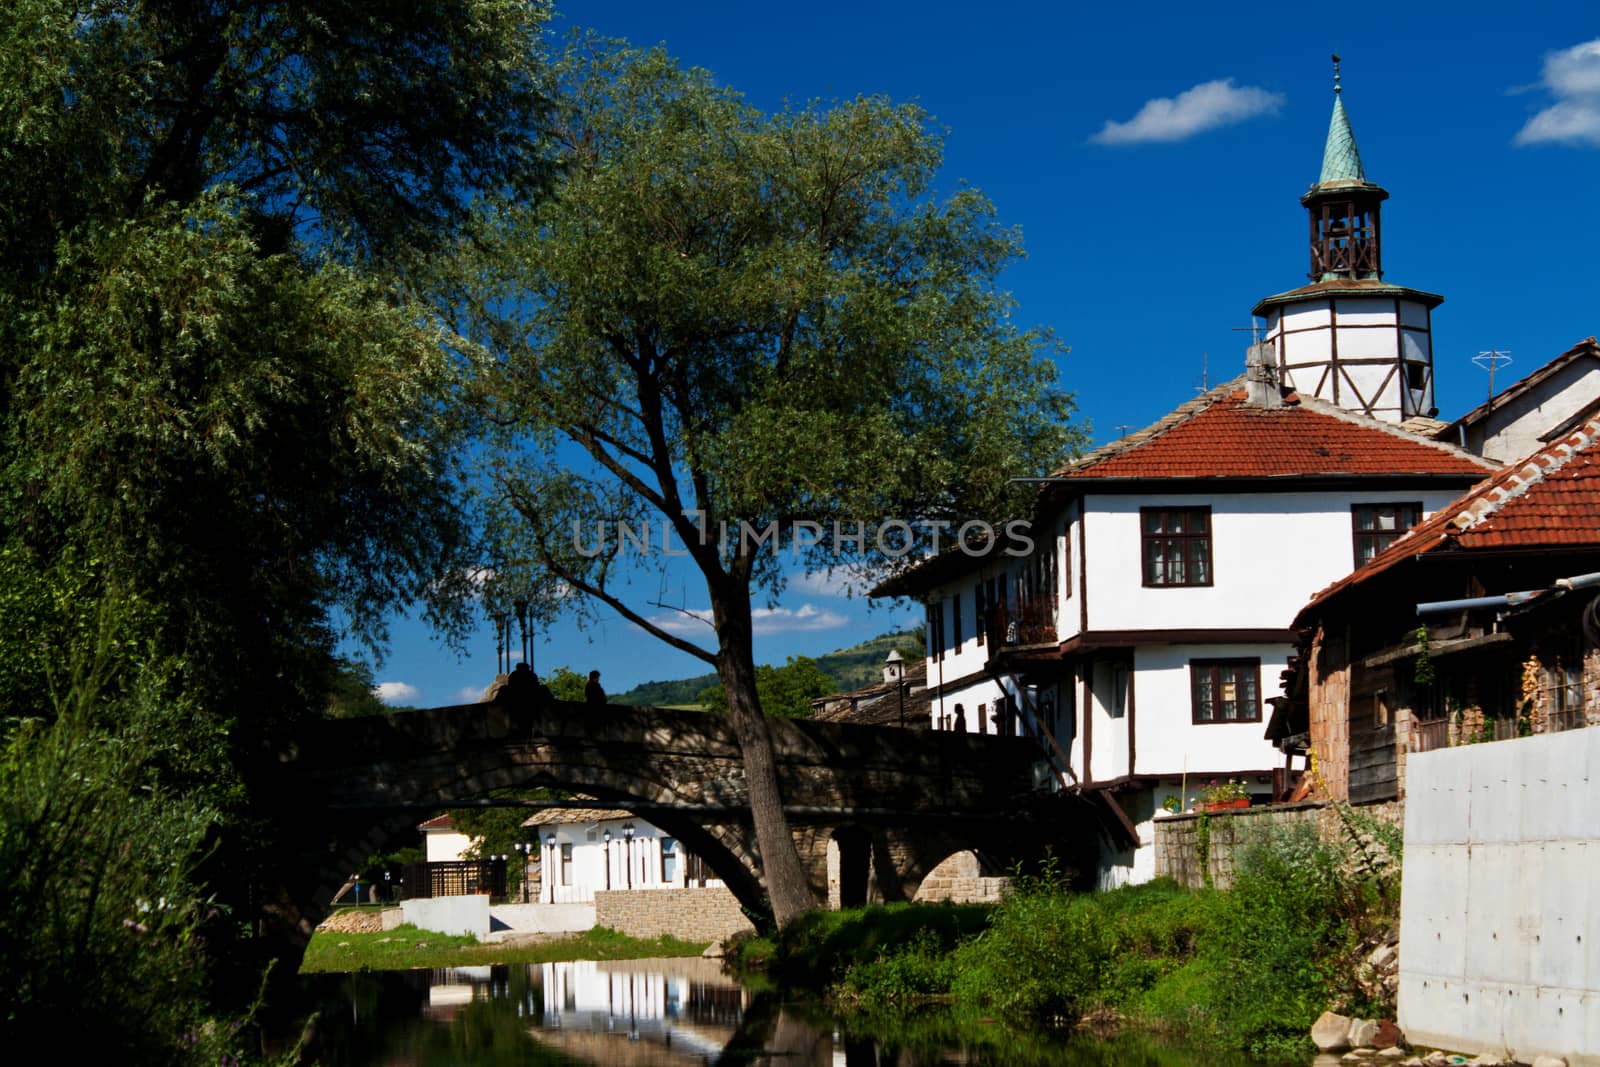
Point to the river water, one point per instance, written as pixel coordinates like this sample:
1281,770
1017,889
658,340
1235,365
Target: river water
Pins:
663,1013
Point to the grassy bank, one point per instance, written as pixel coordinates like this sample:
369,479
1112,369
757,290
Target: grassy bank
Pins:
407,948
1248,968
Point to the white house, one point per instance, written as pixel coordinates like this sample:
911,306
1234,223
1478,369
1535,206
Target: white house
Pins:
441,841
1535,410
586,850
1140,636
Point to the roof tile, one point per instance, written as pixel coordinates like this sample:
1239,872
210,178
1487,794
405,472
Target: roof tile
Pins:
1220,435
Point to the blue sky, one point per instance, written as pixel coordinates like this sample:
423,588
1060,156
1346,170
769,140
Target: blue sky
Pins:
1152,155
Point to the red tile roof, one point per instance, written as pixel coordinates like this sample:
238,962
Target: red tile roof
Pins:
1549,500
438,822
1220,435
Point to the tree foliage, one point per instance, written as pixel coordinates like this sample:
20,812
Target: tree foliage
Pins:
724,316
225,428
785,691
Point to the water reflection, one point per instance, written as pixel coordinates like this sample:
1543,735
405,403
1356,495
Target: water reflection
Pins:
663,1013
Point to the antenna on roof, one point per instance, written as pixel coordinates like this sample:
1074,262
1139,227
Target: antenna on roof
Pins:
1205,373
1495,357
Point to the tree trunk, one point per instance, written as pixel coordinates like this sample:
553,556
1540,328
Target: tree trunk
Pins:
787,885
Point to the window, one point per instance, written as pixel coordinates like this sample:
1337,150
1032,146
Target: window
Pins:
566,864
955,616
936,630
1226,690
1561,683
1177,546
979,623
669,859
1377,526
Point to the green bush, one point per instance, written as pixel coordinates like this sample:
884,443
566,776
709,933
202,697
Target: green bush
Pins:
818,949
100,925
917,971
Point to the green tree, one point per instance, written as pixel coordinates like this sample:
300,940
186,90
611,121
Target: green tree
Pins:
785,691
735,317
566,684
225,429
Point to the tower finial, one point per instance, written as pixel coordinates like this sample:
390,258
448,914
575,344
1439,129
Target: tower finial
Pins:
1336,86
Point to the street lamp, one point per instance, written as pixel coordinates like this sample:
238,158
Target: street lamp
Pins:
627,851
894,671
501,660
607,838
521,607
550,870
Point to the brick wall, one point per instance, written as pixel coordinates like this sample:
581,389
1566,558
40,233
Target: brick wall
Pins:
1328,696
710,914
1177,838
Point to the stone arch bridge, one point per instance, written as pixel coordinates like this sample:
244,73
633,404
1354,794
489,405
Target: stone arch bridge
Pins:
899,801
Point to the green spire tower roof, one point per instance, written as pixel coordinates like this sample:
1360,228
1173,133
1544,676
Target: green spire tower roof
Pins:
1341,161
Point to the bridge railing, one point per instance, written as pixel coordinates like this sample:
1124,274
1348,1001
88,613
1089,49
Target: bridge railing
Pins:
454,878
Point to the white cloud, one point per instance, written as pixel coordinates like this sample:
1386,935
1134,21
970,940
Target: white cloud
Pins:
1573,77
764,620
470,694
1205,107
396,692
837,582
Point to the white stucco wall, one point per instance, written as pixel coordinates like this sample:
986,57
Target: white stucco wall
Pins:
1167,741
598,866
1269,553
1500,902
1307,334
444,846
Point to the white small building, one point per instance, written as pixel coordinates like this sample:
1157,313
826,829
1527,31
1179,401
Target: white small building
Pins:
587,850
1139,629
442,842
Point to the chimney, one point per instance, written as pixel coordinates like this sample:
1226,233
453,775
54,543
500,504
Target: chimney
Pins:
1261,376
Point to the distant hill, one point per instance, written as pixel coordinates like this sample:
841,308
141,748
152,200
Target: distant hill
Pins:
850,668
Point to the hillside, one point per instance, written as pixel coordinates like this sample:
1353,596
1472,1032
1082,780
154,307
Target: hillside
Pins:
850,668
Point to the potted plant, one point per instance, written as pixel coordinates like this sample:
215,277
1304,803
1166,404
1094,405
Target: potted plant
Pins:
1221,796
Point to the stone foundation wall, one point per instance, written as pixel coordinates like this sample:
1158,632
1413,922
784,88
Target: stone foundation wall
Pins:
710,914
1178,838
959,879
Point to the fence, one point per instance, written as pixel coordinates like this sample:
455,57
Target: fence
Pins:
455,878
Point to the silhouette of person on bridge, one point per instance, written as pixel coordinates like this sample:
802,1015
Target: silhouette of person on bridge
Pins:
961,719
593,693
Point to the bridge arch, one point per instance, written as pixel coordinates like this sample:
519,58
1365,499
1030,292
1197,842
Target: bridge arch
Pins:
912,796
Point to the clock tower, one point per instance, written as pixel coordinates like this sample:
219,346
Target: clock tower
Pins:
1348,336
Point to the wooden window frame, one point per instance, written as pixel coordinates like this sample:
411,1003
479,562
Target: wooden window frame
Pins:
1198,668
1202,537
935,624
1381,539
980,624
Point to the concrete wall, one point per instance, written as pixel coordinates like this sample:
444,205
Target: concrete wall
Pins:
1500,910
710,914
542,918
449,915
